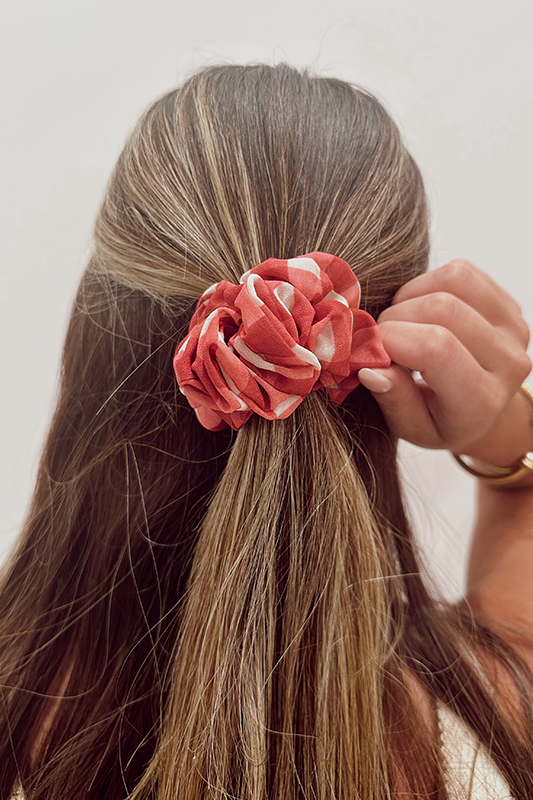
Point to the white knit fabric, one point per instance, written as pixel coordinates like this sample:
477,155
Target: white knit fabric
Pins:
471,773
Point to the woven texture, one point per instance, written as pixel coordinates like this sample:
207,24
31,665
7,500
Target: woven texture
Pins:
471,774
289,327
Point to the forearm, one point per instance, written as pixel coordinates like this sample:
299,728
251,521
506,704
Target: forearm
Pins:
509,438
500,571
467,340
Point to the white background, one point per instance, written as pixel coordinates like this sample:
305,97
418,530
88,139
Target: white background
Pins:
457,75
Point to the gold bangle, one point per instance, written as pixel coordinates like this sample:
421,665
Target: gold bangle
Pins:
506,474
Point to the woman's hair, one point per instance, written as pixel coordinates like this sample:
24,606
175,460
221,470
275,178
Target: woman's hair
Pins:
232,615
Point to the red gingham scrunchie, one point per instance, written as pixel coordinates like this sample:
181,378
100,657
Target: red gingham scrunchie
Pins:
290,326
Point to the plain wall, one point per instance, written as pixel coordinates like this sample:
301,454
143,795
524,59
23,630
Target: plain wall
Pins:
75,76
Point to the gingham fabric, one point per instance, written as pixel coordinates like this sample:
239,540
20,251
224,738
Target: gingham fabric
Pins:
289,327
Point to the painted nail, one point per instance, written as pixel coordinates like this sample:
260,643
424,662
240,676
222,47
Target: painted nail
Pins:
374,381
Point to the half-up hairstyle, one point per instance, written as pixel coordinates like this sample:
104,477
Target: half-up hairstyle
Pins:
193,614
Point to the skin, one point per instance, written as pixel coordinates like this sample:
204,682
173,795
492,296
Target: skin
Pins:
466,337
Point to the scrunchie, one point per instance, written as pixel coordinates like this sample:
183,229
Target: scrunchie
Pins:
289,327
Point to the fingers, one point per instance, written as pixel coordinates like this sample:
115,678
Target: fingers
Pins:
475,288
466,337
492,347
458,400
458,410
461,384
402,404
460,389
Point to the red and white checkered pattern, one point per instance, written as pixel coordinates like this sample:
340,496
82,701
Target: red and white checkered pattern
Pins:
289,327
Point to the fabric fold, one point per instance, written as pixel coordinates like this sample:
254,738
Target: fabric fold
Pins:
291,326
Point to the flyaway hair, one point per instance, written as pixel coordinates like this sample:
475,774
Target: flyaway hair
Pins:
194,614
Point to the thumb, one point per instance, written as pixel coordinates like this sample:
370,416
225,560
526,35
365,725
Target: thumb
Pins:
402,403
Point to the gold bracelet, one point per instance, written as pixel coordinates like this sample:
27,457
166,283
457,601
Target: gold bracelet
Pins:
506,474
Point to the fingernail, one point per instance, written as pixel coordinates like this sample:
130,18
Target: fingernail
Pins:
374,381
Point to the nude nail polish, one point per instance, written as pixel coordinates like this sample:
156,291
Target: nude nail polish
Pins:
374,381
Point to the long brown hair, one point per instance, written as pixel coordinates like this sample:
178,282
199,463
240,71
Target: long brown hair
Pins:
221,614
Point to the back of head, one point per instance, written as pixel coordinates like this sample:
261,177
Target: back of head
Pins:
217,608
245,163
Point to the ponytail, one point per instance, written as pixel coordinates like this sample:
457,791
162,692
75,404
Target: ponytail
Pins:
232,615
286,626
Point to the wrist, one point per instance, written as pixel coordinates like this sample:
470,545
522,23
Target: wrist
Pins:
508,440
519,475
494,459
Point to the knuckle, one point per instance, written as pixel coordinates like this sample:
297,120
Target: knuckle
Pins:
524,330
524,366
462,265
437,345
458,272
494,402
493,398
441,306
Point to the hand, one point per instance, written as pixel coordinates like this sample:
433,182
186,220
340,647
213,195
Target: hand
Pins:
466,337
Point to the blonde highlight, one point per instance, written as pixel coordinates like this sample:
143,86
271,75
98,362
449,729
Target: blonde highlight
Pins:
328,598
233,615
